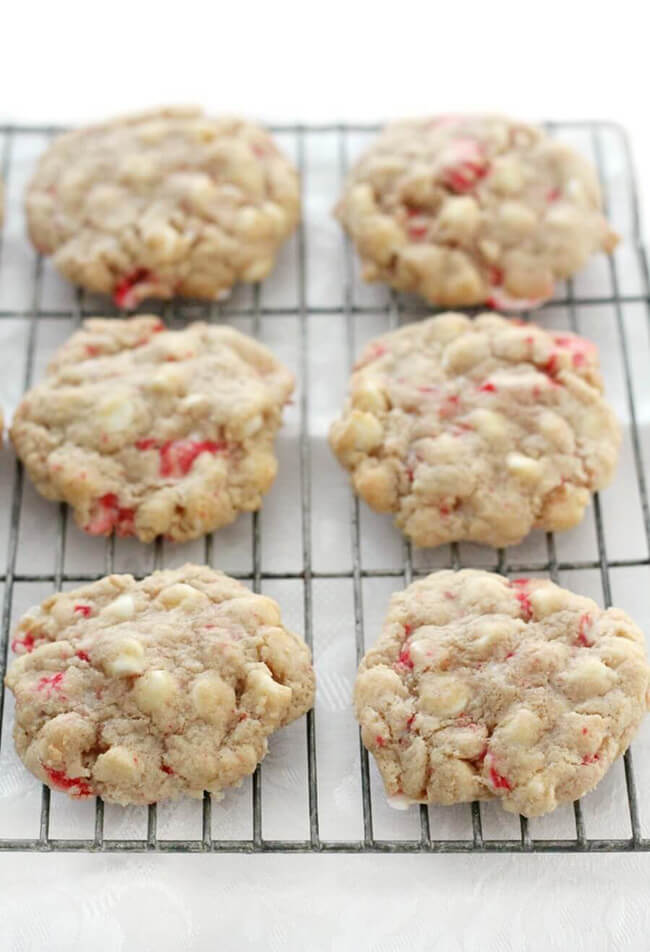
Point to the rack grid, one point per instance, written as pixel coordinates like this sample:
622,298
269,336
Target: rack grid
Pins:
350,310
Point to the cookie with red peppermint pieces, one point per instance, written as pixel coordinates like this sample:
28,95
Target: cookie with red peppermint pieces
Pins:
163,204
483,688
477,429
147,431
139,691
466,210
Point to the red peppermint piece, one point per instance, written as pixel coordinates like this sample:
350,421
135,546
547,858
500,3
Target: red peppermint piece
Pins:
147,444
417,230
495,275
584,625
373,353
126,293
177,456
26,642
108,515
82,656
449,406
590,759
92,350
50,683
405,657
84,610
522,597
409,722
488,388
75,786
499,782
577,346
465,166
379,740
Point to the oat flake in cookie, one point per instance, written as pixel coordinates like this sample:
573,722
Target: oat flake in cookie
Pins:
164,203
139,691
473,209
148,432
477,429
482,688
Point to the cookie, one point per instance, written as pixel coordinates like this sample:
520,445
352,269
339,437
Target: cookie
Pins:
467,210
483,688
477,430
161,204
140,691
146,431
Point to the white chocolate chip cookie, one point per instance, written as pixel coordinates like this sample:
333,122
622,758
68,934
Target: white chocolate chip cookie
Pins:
139,691
480,687
473,209
162,204
477,429
146,431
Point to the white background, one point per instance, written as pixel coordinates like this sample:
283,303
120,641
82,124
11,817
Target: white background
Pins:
69,62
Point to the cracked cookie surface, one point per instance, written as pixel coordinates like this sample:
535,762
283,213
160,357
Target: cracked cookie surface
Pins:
161,204
140,691
467,210
146,431
480,688
477,429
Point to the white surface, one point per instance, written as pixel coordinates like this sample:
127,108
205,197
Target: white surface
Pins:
326,63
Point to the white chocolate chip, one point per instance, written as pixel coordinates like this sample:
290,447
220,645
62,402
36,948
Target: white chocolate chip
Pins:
400,801
517,218
525,468
252,425
365,432
169,379
370,396
588,677
213,698
263,696
546,600
115,412
188,597
491,425
523,728
117,765
155,691
126,659
257,270
120,609
459,218
164,240
443,695
489,249
446,327
506,175
465,352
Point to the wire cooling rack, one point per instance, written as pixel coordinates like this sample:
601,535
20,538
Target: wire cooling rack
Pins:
331,563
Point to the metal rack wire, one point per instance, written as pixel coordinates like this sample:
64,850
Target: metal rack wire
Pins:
396,310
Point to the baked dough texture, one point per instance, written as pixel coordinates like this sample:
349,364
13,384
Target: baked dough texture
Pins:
147,431
466,210
142,691
483,688
163,204
477,429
